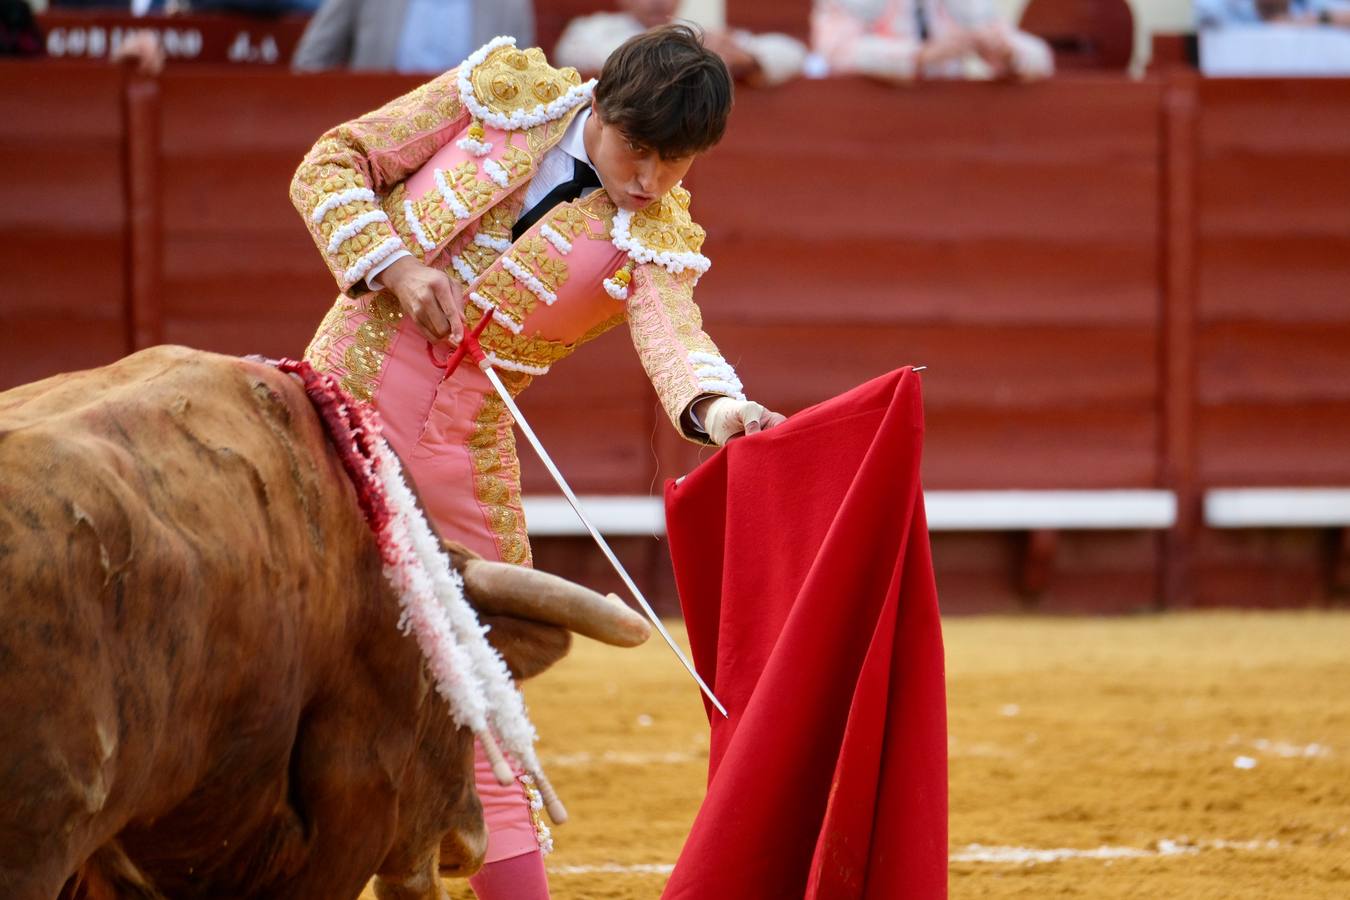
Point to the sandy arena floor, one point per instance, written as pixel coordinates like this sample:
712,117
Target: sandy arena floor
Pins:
1179,757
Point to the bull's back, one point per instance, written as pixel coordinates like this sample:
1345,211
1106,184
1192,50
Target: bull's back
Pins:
170,592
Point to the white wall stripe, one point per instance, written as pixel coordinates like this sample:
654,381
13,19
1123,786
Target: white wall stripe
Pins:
550,516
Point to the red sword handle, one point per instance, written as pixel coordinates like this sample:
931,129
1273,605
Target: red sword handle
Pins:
468,346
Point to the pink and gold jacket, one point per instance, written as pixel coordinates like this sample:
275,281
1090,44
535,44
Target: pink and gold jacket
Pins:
441,173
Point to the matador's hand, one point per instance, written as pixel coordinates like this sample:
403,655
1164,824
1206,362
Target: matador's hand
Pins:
428,297
726,419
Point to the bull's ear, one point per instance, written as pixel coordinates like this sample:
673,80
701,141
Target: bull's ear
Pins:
528,647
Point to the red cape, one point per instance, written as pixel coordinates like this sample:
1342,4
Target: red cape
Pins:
802,561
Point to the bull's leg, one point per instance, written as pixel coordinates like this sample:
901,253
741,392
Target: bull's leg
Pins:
343,788
422,883
53,806
441,829
30,885
109,875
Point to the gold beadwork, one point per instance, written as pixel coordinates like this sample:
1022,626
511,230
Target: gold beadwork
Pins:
529,350
492,452
547,91
363,348
666,327
505,88
512,80
665,224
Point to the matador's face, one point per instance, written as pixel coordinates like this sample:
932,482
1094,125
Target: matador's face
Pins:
631,174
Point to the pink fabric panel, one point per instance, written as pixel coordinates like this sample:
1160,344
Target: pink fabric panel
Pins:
509,823
427,421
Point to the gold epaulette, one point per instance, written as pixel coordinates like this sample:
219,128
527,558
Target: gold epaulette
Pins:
663,233
514,89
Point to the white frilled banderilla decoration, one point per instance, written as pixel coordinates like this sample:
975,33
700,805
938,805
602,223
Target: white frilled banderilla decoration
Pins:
468,671
469,346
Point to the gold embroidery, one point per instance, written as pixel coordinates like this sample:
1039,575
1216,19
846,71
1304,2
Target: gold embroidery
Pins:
505,89
364,358
393,207
496,481
366,346
448,108
354,155
478,257
513,301
339,216
664,224
517,163
599,211
437,221
529,350
530,251
512,80
553,273
546,91
360,244
567,221
332,329
475,192
497,222
540,138
666,326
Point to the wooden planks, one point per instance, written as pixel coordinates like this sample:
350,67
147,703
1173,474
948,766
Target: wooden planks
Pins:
1273,237
240,273
63,222
1013,248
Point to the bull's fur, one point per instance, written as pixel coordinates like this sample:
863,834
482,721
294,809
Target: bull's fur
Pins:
204,693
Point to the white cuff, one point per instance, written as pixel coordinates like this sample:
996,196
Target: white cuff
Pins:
372,279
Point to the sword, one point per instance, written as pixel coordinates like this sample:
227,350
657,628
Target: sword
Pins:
469,346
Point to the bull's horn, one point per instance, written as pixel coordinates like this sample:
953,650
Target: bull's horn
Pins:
503,589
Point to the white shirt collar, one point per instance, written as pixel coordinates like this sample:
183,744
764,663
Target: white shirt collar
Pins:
573,140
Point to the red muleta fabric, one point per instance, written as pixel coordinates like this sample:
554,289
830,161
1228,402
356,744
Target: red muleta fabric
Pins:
803,566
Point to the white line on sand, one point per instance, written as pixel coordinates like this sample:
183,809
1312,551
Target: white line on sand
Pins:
979,853
615,758
613,869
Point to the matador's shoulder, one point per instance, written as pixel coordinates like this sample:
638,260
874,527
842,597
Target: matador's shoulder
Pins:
663,232
515,89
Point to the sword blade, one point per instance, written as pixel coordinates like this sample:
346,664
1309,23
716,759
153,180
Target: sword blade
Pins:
604,546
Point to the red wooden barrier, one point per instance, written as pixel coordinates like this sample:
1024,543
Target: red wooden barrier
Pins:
63,223
1115,284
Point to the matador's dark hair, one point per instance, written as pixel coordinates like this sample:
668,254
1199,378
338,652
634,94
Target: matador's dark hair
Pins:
665,90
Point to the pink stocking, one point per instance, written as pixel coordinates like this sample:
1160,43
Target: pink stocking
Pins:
515,878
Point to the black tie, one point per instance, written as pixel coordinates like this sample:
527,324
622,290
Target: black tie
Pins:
583,176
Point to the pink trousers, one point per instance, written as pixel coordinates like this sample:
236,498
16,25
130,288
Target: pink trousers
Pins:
454,437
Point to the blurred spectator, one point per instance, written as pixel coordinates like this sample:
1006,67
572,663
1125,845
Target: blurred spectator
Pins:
1218,13
907,40
408,35
142,49
19,34
757,58
162,7
253,7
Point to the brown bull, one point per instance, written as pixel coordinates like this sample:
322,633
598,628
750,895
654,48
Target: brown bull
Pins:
203,692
